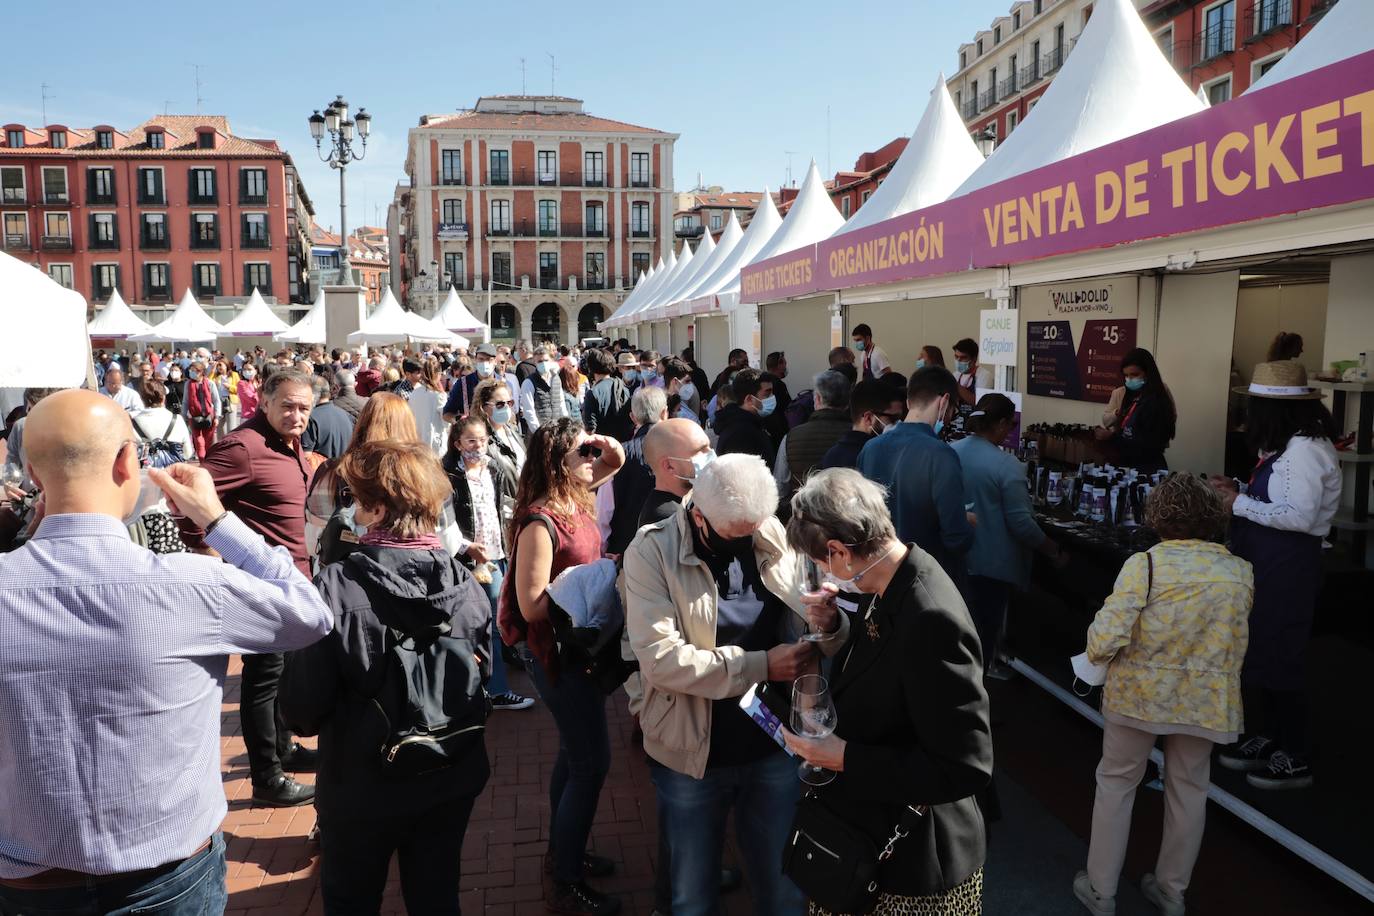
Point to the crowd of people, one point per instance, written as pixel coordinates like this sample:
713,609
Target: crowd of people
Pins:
385,538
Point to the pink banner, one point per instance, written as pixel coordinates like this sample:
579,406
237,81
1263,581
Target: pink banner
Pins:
1304,143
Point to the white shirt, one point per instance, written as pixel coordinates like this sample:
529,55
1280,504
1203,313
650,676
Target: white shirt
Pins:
152,423
127,398
877,362
1304,490
428,407
527,404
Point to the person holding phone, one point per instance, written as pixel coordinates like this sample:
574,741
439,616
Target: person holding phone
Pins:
911,710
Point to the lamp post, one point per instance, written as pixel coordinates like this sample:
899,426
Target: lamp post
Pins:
341,128
986,140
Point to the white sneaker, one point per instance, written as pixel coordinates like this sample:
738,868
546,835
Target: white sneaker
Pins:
1167,906
1097,904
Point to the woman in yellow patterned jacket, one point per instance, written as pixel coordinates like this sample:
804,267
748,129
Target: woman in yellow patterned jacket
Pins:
1173,634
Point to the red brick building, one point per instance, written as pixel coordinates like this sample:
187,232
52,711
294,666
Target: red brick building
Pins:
177,202
851,189
367,255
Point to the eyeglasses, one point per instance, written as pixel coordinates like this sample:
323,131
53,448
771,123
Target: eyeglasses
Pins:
587,450
500,404
140,449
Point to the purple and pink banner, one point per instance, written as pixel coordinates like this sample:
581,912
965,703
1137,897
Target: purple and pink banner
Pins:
1304,143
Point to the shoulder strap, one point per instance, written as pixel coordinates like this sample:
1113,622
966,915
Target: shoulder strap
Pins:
1150,581
138,428
547,523
170,426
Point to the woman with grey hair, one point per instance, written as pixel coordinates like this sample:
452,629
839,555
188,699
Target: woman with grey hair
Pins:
912,745
713,608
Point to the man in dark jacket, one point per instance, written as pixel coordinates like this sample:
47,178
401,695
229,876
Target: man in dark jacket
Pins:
804,447
330,428
737,360
606,406
346,396
874,406
635,481
739,426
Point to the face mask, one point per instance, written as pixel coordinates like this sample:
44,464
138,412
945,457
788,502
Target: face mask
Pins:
629,375
175,376
860,346
920,364
472,456
486,370
767,405
149,495
500,416
548,367
1135,384
699,462
717,547
961,366
248,373
851,584
939,426
647,375
687,392
347,515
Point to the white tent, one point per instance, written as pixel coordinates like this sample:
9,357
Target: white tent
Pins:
700,258
1116,83
38,309
939,157
681,267
761,228
729,238
628,305
389,323
455,316
117,320
645,289
311,328
1345,31
256,320
187,322
811,218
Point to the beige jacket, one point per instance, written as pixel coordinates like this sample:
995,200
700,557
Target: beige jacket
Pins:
670,616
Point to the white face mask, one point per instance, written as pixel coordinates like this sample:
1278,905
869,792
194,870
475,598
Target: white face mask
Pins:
699,461
852,583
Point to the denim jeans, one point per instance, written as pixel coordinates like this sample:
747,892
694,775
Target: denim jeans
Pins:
584,757
499,683
355,857
193,887
693,812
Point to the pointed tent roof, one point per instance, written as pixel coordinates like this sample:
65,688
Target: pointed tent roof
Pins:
1116,83
646,288
761,228
683,265
116,319
700,258
939,157
390,323
1345,31
311,328
256,320
457,317
187,322
637,290
36,307
812,217
729,238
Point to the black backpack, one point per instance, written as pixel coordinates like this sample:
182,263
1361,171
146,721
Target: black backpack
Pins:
430,700
162,451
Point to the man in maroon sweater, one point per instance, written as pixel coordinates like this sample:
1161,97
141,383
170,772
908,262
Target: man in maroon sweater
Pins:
261,474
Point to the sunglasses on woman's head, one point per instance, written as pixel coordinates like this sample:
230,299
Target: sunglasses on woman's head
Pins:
587,450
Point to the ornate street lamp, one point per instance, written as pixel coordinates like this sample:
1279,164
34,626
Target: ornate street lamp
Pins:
341,128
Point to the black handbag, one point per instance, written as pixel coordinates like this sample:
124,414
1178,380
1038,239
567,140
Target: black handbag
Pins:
834,863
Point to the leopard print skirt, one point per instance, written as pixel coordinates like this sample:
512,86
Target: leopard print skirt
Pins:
964,900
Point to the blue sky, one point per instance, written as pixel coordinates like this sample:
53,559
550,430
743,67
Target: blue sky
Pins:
742,82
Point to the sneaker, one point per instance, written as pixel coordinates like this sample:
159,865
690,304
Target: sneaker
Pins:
1167,906
580,900
1284,772
1244,756
511,701
1097,904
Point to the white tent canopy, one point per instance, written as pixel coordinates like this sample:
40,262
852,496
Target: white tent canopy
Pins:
311,328
389,323
700,259
939,157
1345,31
455,316
761,228
187,322
645,288
729,238
811,218
38,309
1115,84
116,319
256,320
644,276
683,266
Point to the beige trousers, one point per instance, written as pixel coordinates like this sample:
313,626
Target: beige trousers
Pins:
1187,774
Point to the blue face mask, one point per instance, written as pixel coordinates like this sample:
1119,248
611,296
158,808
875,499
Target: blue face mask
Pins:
500,416
920,364
939,426
961,366
629,375
767,405
1135,384
860,346
647,375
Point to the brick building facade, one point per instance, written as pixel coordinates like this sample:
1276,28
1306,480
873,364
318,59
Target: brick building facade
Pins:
177,202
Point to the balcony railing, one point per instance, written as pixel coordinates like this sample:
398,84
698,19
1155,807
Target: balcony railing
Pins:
57,243
1213,42
56,197
16,240
970,110
1029,74
548,280
207,242
13,196
987,99
499,178
640,182
1007,87
1051,61
594,181
641,233
1266,16
153,242
108,244
256,241
595,232
689,232
451,180
203,200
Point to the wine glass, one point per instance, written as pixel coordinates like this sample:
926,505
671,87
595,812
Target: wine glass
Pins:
812,585
813,716
11,478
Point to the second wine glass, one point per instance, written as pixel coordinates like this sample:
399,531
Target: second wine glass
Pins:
814,717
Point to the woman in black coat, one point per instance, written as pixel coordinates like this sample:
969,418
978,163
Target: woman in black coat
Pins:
912,727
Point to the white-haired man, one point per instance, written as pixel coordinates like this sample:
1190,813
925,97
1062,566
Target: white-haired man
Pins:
713,607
